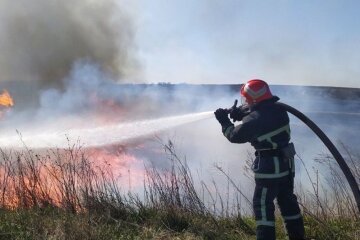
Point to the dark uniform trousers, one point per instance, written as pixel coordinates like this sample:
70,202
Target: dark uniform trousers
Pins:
266,190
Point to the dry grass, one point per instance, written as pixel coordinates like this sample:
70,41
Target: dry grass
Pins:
61,194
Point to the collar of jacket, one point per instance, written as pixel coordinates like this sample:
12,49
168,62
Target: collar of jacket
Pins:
256,106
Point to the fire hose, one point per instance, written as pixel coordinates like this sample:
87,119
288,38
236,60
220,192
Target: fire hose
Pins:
244,110
334,151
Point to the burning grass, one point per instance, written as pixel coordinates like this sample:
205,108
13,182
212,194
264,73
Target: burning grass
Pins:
6,100
62,194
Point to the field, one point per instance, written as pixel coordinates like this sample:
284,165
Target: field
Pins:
62,194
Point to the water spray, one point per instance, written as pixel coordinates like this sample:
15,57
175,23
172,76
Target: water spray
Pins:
99,136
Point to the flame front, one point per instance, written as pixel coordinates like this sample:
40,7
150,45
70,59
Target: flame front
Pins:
6,100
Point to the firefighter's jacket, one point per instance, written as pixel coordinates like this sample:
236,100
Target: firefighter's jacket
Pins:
267,128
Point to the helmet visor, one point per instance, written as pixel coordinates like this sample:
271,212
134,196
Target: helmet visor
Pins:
243,100
242,97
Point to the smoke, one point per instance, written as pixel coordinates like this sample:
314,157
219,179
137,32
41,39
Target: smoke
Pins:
90,99
40,39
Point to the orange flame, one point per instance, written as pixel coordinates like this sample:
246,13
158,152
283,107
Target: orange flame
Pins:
6,100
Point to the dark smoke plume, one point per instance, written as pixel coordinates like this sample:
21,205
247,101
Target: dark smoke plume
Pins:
41,39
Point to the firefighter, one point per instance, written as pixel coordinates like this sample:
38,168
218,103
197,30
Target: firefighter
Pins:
266,127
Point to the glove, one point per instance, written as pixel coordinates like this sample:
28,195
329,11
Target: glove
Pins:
237,113
222,116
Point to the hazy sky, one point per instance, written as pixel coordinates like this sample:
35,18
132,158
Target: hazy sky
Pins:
307,42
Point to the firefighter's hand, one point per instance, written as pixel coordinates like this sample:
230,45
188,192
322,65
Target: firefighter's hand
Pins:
236,114
222,116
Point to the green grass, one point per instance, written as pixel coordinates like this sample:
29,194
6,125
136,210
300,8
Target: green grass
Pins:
52,223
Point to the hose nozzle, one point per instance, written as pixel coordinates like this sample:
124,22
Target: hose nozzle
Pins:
229,110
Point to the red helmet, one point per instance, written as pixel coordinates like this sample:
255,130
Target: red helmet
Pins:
255,91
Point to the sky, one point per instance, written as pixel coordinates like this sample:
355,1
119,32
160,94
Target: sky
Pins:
305,42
